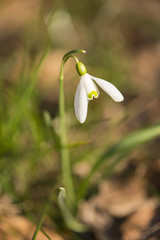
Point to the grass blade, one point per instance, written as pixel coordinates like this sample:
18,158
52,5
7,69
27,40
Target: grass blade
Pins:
124,146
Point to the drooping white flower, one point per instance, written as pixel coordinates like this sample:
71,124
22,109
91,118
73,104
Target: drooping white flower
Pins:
87,89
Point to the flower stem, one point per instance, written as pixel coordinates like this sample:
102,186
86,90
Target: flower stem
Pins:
65,161
66,169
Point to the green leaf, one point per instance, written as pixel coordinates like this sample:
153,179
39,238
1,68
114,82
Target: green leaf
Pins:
69,219
123,147
13,124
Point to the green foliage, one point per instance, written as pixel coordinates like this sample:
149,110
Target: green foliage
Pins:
122,148
30,143
70,220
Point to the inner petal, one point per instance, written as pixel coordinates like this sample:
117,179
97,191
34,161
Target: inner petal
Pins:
91,88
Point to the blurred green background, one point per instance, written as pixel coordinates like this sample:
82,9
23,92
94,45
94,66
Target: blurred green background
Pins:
122,40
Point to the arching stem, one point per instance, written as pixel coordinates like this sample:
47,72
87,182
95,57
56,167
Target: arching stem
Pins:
65,161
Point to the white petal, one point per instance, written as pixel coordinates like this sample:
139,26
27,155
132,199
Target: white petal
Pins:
109,88
81,102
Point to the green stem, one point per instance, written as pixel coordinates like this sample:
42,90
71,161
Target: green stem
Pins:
41,221
66,169
65,161
44,213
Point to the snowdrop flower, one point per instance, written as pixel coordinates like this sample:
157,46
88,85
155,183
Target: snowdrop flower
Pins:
87,90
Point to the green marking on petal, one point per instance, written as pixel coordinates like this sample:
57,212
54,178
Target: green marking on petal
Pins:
92,94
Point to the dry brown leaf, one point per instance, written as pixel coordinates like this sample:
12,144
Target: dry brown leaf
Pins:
134,227
120,199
